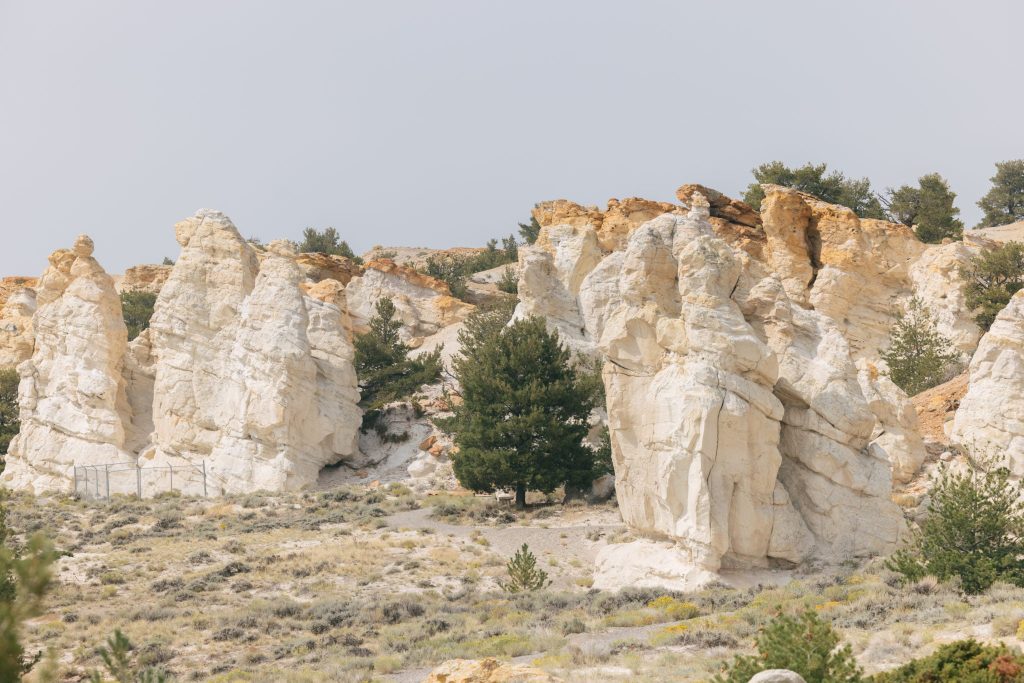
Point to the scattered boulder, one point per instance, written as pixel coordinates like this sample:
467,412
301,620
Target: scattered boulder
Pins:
488,670
777,676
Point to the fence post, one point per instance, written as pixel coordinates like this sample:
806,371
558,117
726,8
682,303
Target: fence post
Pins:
97,473
138,480
205,495
170,470
108,482
76,480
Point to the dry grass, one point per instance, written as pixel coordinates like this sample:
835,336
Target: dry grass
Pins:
323,587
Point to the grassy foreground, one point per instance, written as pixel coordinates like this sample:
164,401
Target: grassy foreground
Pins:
360,584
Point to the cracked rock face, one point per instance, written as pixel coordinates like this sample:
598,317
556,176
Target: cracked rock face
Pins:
252,377
739,426
989,418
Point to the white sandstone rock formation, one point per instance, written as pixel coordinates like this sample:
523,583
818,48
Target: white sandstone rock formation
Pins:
72,393
246,372
739,428
16,336
990,419
252,378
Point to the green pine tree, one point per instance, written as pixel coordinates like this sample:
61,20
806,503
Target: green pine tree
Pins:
25,579
9,423
326,241
805,644
137,309
991,278
120,661
523,573
974,530
523,417
1004,203
834,188
385,370
529,231
919,357
928,208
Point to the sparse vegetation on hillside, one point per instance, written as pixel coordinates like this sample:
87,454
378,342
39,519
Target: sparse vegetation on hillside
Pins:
1004,203
137,309
9,423
455,270
342,585
919,357
991,279
834,187
974,530
928,208
523,417
385,370
326,241
806,644
121,661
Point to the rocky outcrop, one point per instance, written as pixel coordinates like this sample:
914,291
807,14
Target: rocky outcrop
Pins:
16,336
854,270
72,392
252,377
935,279
989,420
149,278
487,671
246,372
423,304
317,267
738,423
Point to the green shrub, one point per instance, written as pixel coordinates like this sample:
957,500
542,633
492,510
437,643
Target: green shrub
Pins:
805,644
835,187
965,661
9,424
137,309
991,278
455,270
509,281
523,572
125,665
974,530
918,356
327,242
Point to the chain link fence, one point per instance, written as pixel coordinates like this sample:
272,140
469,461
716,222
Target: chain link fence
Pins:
100,482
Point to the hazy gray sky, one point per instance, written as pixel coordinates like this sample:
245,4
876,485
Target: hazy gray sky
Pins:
441,123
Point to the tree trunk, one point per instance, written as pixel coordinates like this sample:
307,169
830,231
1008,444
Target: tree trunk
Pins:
521,496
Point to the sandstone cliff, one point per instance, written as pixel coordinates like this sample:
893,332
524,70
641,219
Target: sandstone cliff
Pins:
989,420
750,421
72,392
